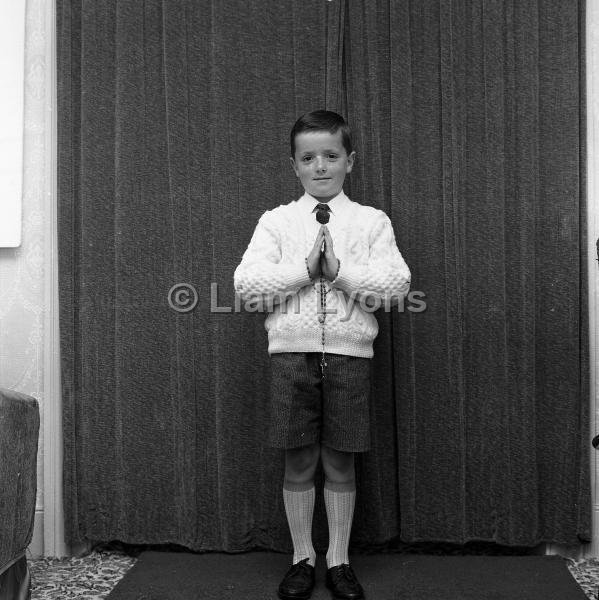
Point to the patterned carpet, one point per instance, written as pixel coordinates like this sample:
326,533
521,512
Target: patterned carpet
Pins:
586,572
93,576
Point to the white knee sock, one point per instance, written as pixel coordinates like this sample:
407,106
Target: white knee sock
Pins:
339,499
299,507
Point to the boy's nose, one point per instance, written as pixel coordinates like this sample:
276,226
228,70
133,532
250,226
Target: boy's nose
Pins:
321,164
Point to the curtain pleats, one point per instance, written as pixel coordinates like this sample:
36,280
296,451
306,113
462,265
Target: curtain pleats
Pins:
483,186
468,120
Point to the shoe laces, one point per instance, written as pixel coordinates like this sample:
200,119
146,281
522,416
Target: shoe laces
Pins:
346,572
349,573
298,567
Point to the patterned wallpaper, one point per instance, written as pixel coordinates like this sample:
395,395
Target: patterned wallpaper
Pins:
23,293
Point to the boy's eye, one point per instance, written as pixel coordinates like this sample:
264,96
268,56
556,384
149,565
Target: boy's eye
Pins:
307,158
333,156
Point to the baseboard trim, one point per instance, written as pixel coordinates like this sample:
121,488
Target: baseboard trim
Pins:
36,547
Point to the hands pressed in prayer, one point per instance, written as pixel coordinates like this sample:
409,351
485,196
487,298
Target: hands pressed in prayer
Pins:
322,259
329,263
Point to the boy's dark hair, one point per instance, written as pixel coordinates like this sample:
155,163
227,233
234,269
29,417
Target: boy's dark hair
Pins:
322,120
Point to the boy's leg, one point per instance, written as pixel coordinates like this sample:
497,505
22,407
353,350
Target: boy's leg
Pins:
298,497
345,430
339,498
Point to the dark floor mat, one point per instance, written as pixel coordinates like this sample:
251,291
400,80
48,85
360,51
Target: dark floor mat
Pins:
256,575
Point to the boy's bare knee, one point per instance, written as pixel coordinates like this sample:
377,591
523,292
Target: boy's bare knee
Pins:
300,463
338,465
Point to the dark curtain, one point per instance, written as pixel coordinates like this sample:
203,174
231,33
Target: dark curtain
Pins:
471,120
469,125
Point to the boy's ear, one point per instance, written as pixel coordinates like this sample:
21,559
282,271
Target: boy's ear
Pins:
350,161
293,166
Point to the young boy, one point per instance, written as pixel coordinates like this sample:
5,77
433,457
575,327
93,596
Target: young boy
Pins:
323,263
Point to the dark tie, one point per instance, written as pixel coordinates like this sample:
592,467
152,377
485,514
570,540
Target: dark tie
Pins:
322,213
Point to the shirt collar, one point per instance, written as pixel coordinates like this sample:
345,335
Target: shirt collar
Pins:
335,204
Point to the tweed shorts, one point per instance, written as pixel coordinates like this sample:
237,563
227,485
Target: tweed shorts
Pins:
305,408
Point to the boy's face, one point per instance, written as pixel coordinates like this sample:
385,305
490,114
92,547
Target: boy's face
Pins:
321,163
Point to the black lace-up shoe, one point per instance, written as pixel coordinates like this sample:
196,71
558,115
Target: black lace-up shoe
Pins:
298,582
342,582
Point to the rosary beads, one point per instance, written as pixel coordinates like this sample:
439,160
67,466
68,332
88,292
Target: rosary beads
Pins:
322,313
322,317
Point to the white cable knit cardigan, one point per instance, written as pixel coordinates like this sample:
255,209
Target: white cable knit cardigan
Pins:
273,274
